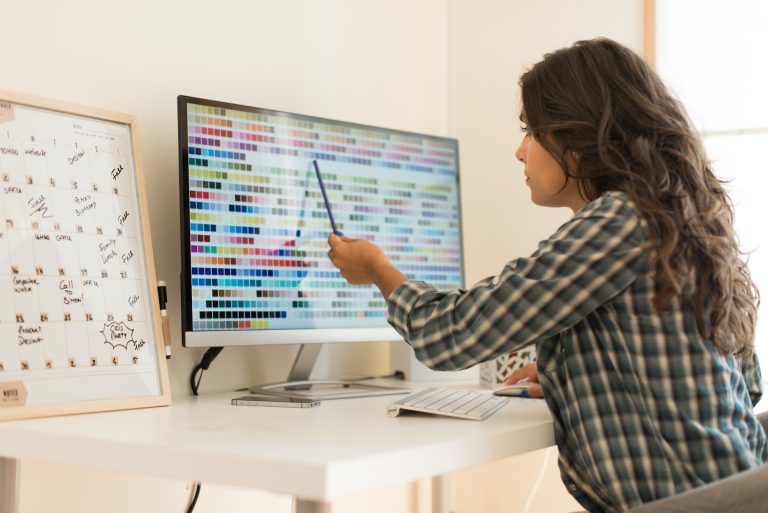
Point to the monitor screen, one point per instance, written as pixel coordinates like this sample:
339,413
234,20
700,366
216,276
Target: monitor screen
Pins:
255,226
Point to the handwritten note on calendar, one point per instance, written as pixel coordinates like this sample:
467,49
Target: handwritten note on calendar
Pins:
78,322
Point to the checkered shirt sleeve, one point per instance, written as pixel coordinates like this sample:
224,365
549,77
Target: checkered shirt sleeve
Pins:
589,260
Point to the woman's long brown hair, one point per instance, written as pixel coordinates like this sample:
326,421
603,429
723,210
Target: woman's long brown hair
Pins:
610,121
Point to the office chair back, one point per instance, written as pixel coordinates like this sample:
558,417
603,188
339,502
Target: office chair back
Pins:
746,492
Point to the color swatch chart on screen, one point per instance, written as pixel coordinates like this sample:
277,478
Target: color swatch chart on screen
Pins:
73,296
258,225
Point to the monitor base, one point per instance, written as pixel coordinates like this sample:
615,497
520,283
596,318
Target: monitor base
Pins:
326,389
299,385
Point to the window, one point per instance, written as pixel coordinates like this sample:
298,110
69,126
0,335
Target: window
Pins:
712,54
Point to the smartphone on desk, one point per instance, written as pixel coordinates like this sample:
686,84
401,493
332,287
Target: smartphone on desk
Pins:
271,400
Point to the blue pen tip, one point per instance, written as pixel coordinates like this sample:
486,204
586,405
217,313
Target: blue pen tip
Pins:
524,393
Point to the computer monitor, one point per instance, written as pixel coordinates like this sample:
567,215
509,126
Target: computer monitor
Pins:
254,227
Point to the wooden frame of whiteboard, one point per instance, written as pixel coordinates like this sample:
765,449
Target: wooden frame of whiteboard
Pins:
164,398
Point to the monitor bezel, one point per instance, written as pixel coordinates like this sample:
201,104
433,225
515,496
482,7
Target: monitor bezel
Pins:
210,338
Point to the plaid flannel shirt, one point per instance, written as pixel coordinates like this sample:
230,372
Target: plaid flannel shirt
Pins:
643,407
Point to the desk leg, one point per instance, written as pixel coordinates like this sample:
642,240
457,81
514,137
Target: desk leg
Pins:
433,495
442,493
307,506
9,473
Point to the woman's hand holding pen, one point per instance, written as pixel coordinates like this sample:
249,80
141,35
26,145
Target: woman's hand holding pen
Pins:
527,374
362,262
357,259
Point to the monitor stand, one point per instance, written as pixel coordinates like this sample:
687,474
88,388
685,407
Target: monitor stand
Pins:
299,385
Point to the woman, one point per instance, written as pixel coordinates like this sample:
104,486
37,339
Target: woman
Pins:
642,311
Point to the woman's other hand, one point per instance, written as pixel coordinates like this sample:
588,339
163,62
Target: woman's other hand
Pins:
527,374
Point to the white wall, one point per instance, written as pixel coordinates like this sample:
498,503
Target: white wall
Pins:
493,43
436,66
382,63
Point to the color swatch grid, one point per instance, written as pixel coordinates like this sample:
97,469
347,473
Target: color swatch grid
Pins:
258,226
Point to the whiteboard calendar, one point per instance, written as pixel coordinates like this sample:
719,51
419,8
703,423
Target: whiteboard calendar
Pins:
79,325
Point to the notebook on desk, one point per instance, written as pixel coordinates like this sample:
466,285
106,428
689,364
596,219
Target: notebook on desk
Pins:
450,402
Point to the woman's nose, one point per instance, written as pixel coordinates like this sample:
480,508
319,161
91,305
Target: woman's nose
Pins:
520,153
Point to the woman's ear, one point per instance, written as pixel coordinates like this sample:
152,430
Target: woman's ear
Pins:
572,159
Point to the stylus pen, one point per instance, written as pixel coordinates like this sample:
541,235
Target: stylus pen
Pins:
325,199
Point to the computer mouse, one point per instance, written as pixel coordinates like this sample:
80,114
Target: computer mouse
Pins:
517,390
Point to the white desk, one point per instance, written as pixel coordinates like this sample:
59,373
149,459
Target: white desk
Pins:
317,454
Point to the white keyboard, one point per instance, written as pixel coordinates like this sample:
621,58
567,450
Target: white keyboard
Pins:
452,402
